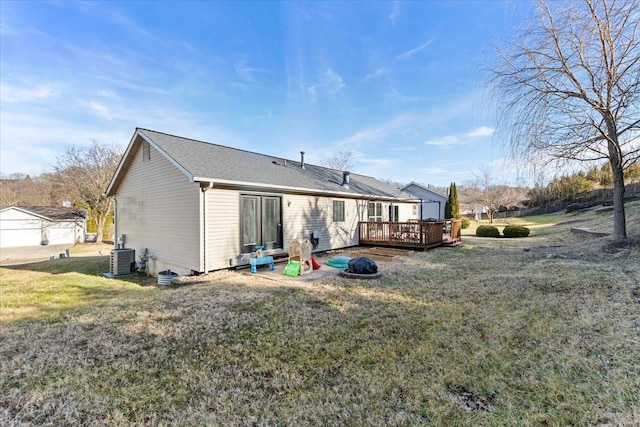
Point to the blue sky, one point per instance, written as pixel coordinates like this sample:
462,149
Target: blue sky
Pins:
398,84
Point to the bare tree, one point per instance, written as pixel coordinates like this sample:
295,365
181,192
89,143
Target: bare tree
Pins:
22,190
340,160
570,88
85,173
486,194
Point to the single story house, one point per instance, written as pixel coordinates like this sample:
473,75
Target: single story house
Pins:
194,206
37,225
432,203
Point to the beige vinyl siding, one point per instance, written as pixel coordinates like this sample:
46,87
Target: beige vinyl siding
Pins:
300,216
159,209
305,214
224,228
406,211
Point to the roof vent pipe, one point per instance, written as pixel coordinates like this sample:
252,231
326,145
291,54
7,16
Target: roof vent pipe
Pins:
302,159
345,179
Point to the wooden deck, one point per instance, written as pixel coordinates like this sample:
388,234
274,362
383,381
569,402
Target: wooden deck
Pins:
411,235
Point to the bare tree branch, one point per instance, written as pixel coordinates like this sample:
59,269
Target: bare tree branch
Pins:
570,88
86,172
340,160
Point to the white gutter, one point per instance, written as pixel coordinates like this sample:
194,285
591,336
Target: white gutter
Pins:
296,189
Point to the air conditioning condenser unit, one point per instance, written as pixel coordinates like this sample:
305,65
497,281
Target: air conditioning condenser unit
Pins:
123,261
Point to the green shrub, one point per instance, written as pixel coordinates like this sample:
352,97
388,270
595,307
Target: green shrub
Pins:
465,222
487,231
515,231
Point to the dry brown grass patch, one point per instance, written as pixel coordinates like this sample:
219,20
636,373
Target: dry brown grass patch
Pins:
535,331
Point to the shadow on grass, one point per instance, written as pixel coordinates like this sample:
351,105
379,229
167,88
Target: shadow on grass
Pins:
95,266
50,289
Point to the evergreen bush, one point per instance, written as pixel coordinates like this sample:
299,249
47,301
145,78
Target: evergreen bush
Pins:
465,223
487,231
455,202
515,231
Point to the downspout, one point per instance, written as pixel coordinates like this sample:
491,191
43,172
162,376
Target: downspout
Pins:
115,222
204,186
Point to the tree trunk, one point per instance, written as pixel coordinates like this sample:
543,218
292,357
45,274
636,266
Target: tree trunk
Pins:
99,228
615,159
619,217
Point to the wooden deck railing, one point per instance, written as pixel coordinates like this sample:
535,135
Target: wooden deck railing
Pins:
455,233
416,234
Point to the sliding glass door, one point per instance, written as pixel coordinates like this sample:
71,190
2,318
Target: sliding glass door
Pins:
260,222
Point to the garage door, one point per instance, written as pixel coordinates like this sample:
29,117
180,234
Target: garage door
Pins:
15,237
62,236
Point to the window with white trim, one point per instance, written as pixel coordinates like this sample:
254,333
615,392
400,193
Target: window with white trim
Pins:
375,211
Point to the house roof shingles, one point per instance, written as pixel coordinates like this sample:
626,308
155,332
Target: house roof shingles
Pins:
217,163
52,212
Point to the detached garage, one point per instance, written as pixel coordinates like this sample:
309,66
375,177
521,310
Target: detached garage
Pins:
36,225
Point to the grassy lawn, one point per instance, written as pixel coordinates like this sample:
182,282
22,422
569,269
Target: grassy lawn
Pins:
537,331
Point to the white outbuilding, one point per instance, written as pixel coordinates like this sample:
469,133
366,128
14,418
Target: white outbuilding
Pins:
40,225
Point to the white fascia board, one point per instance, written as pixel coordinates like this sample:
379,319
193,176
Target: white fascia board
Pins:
123,160
285,188
167,156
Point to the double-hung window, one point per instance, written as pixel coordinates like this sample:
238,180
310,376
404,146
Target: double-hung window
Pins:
375,211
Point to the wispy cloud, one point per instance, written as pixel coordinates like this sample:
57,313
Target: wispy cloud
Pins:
100,109
377,133
432,171
116,16
372,166
245,72
332,82
480,132
312,92
408,54
377,162
375,75
395,11
450,141
37,92
329,84
107,93
395,97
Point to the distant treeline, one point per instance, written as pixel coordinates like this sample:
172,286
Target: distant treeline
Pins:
568,188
